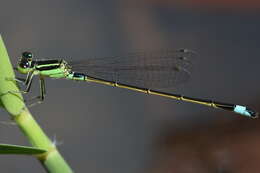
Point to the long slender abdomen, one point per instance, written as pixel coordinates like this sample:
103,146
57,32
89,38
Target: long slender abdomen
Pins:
243,110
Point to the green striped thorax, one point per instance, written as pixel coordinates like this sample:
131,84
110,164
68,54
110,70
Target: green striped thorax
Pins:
51,68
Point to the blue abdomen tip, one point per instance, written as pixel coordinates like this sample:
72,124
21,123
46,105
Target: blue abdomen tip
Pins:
243,110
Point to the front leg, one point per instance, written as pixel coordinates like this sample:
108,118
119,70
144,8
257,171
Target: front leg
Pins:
39,99
23,81
27,82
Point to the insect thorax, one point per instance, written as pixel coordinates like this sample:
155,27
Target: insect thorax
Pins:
53,68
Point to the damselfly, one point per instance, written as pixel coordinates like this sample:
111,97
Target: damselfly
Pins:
141,72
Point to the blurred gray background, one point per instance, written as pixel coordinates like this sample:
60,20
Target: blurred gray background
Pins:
103,129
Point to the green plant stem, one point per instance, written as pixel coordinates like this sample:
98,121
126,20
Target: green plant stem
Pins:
14,104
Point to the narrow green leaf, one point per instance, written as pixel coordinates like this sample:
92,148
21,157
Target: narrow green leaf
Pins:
18,149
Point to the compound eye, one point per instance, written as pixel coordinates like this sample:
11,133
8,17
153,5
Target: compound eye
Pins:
27,55
24,63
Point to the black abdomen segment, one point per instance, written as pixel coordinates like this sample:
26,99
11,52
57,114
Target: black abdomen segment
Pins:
78,76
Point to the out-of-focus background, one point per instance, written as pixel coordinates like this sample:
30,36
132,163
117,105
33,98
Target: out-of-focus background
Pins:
103,129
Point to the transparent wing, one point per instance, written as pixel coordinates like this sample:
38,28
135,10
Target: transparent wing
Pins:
157,69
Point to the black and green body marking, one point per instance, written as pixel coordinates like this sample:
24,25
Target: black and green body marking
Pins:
61,69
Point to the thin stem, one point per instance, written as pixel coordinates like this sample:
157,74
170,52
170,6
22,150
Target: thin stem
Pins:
13,102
